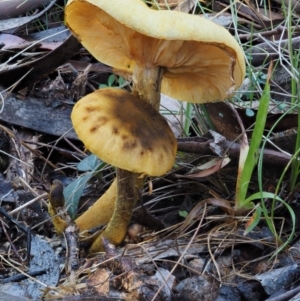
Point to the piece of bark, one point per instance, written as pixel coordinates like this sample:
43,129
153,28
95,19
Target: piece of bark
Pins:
36,114
224,120
5,297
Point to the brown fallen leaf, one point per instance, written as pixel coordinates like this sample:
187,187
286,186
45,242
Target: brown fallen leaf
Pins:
99,281
206,169
37,68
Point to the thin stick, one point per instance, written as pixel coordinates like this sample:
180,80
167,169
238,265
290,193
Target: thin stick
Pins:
44,195
22,272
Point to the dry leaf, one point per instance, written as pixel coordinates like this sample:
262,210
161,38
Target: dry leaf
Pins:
99,281
207,169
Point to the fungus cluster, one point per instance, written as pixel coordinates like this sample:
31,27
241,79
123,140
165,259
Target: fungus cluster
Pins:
186,57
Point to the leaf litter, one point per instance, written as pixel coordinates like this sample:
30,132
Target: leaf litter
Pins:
205,249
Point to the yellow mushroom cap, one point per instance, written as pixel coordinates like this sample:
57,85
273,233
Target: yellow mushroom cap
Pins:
125,131
202,60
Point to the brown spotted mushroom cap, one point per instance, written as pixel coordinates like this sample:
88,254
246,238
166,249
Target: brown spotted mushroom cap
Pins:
124,131
202,61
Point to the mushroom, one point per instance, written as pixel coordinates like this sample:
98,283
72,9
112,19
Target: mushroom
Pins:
184,56
130,135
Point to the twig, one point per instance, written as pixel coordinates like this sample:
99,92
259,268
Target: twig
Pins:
203,147
61,150
51,151
20,271
286,296
76,148
44,195
12,135
71,235
267,50
268,33
25,230
19,277
11,243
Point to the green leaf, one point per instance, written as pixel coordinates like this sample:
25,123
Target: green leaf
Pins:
183,213
249,112
263,76
251,159
282,106
89,163
103,86
73,192
121,81
262,195
111,80
188,117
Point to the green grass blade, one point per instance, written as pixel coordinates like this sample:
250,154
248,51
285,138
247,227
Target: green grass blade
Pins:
252,156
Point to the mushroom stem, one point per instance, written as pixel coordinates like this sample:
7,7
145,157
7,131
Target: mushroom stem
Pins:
125,202
100,212
147,84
